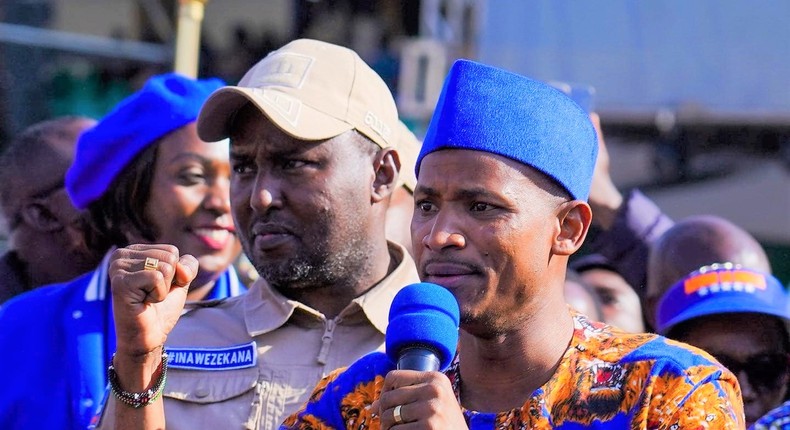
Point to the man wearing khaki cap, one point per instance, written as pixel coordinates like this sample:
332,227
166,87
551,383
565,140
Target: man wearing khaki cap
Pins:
312,131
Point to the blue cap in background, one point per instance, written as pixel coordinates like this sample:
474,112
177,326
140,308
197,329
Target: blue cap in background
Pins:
721,289
165,103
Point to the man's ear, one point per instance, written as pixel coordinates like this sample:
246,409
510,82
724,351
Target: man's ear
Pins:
39,217
574,220
386,165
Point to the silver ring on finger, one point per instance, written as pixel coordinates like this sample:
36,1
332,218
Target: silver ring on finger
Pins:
396,415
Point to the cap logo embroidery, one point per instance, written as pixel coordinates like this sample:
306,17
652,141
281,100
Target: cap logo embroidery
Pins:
713,282
288,107
372,121
284,69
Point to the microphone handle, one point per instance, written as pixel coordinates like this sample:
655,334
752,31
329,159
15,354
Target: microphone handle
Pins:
418,358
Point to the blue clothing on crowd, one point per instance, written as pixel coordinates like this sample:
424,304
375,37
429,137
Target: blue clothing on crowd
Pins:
57,342
625,245
777,419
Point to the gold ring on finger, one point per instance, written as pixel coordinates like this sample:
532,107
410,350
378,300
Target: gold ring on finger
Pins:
151,263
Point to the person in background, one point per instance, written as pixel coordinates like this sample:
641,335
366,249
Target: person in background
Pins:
502,182
314,152
740,317
632,224
582,297
143,175
620,304
692,243
3,235
777,418
46,232
628,224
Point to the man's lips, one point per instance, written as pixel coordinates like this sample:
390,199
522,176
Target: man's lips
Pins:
449,269
269,228
269,236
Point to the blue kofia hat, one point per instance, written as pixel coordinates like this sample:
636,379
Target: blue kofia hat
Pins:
488,109
719,289
165,103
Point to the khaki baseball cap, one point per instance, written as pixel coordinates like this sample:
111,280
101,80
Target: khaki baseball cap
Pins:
311,90
408,148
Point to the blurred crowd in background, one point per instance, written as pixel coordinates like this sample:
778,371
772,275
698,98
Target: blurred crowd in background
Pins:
643,251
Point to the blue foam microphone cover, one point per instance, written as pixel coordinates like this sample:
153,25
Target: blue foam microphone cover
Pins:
424,317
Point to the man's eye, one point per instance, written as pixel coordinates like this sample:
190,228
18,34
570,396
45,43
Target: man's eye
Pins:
242,168
293,164
425,206
606,296
481,207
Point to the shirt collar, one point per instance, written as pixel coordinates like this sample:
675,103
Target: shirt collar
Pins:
266,309
375,303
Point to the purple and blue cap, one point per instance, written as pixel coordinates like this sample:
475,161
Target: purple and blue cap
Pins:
484,108
721,289
165,103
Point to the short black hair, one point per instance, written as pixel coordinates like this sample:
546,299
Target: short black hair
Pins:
365,144
120,211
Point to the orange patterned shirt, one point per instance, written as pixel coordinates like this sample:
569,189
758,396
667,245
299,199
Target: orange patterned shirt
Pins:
606,379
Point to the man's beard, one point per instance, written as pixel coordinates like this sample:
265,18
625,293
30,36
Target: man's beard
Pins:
318,265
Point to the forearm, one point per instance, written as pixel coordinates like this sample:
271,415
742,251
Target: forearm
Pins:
605,201
147,302
637,222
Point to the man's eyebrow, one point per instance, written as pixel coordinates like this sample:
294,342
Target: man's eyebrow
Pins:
294,148
475,192
428,191
463,194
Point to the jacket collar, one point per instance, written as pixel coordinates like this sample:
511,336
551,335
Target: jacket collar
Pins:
266,309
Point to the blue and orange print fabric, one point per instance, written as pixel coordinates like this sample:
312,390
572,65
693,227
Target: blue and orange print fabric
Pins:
606,379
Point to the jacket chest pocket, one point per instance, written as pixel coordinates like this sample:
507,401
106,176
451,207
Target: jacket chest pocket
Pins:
251,398
212,399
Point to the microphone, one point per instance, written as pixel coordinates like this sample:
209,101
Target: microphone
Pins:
423,328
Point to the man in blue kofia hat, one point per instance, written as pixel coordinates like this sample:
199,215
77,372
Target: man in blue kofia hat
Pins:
502,182
740,317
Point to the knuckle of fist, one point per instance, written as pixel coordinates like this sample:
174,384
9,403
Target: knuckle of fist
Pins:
172,249
384,398
435,407
433,389
116,281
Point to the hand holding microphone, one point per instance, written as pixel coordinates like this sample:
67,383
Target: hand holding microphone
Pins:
422,337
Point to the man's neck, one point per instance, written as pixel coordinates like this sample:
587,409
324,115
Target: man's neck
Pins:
514,364
333,299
